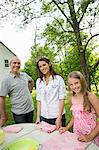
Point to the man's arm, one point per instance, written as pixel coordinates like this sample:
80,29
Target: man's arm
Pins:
30,85
3,114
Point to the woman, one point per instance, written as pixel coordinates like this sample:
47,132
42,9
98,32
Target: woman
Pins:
51,94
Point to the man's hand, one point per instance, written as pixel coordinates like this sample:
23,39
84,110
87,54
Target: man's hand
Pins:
3,119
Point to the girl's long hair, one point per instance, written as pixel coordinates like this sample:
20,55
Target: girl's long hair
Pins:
52,72
84,90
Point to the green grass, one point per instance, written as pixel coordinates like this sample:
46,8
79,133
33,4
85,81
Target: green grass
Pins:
10,116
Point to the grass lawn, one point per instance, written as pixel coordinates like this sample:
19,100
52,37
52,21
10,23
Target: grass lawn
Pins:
10,117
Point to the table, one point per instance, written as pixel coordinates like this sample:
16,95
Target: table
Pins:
30,131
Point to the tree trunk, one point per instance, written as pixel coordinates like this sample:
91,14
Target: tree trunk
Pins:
83,61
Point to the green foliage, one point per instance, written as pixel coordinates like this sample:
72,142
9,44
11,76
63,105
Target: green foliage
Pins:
47,7
8,108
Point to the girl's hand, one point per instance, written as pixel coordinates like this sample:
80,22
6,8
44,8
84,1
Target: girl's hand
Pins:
85,138
62,130
58,123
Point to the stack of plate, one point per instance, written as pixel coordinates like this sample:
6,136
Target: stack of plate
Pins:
23,144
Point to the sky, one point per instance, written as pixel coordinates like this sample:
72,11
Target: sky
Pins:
18,41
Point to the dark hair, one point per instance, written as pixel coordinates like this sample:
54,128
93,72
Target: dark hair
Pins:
79,75
52,72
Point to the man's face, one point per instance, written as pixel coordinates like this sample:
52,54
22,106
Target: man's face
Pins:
15,65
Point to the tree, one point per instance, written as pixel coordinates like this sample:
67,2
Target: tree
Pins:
75,18
80,15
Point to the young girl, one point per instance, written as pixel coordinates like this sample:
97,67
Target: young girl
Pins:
51,92
84,107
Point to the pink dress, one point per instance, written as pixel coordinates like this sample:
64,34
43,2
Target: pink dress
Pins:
84,122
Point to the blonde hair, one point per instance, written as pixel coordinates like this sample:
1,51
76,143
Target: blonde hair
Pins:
84,88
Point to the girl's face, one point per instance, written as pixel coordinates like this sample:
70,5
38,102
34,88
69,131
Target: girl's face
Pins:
44,67
75,85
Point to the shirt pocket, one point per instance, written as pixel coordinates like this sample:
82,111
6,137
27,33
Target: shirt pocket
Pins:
55,87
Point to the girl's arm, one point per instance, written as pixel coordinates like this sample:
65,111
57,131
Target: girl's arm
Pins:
38,111
91,136
59,118
95,102
70,124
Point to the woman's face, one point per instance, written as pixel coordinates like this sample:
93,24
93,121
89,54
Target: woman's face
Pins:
75,85
44,67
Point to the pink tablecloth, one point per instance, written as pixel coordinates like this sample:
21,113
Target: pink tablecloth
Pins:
65,141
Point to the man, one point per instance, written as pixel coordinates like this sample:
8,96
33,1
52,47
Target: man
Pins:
17,85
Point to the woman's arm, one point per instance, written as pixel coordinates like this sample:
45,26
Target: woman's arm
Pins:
38,111
59,118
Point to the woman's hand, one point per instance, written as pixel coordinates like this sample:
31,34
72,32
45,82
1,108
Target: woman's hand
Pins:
62,130
37,120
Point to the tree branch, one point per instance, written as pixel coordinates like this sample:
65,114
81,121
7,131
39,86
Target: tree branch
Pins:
84,9
62,12
62,3
62,26
18,8
89,40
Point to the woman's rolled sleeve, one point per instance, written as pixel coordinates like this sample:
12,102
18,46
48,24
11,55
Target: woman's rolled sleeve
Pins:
38,95
62,89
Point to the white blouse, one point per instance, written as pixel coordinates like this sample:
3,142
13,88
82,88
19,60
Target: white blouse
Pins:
50,95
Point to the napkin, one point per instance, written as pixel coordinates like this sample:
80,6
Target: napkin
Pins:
12,129
46,127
